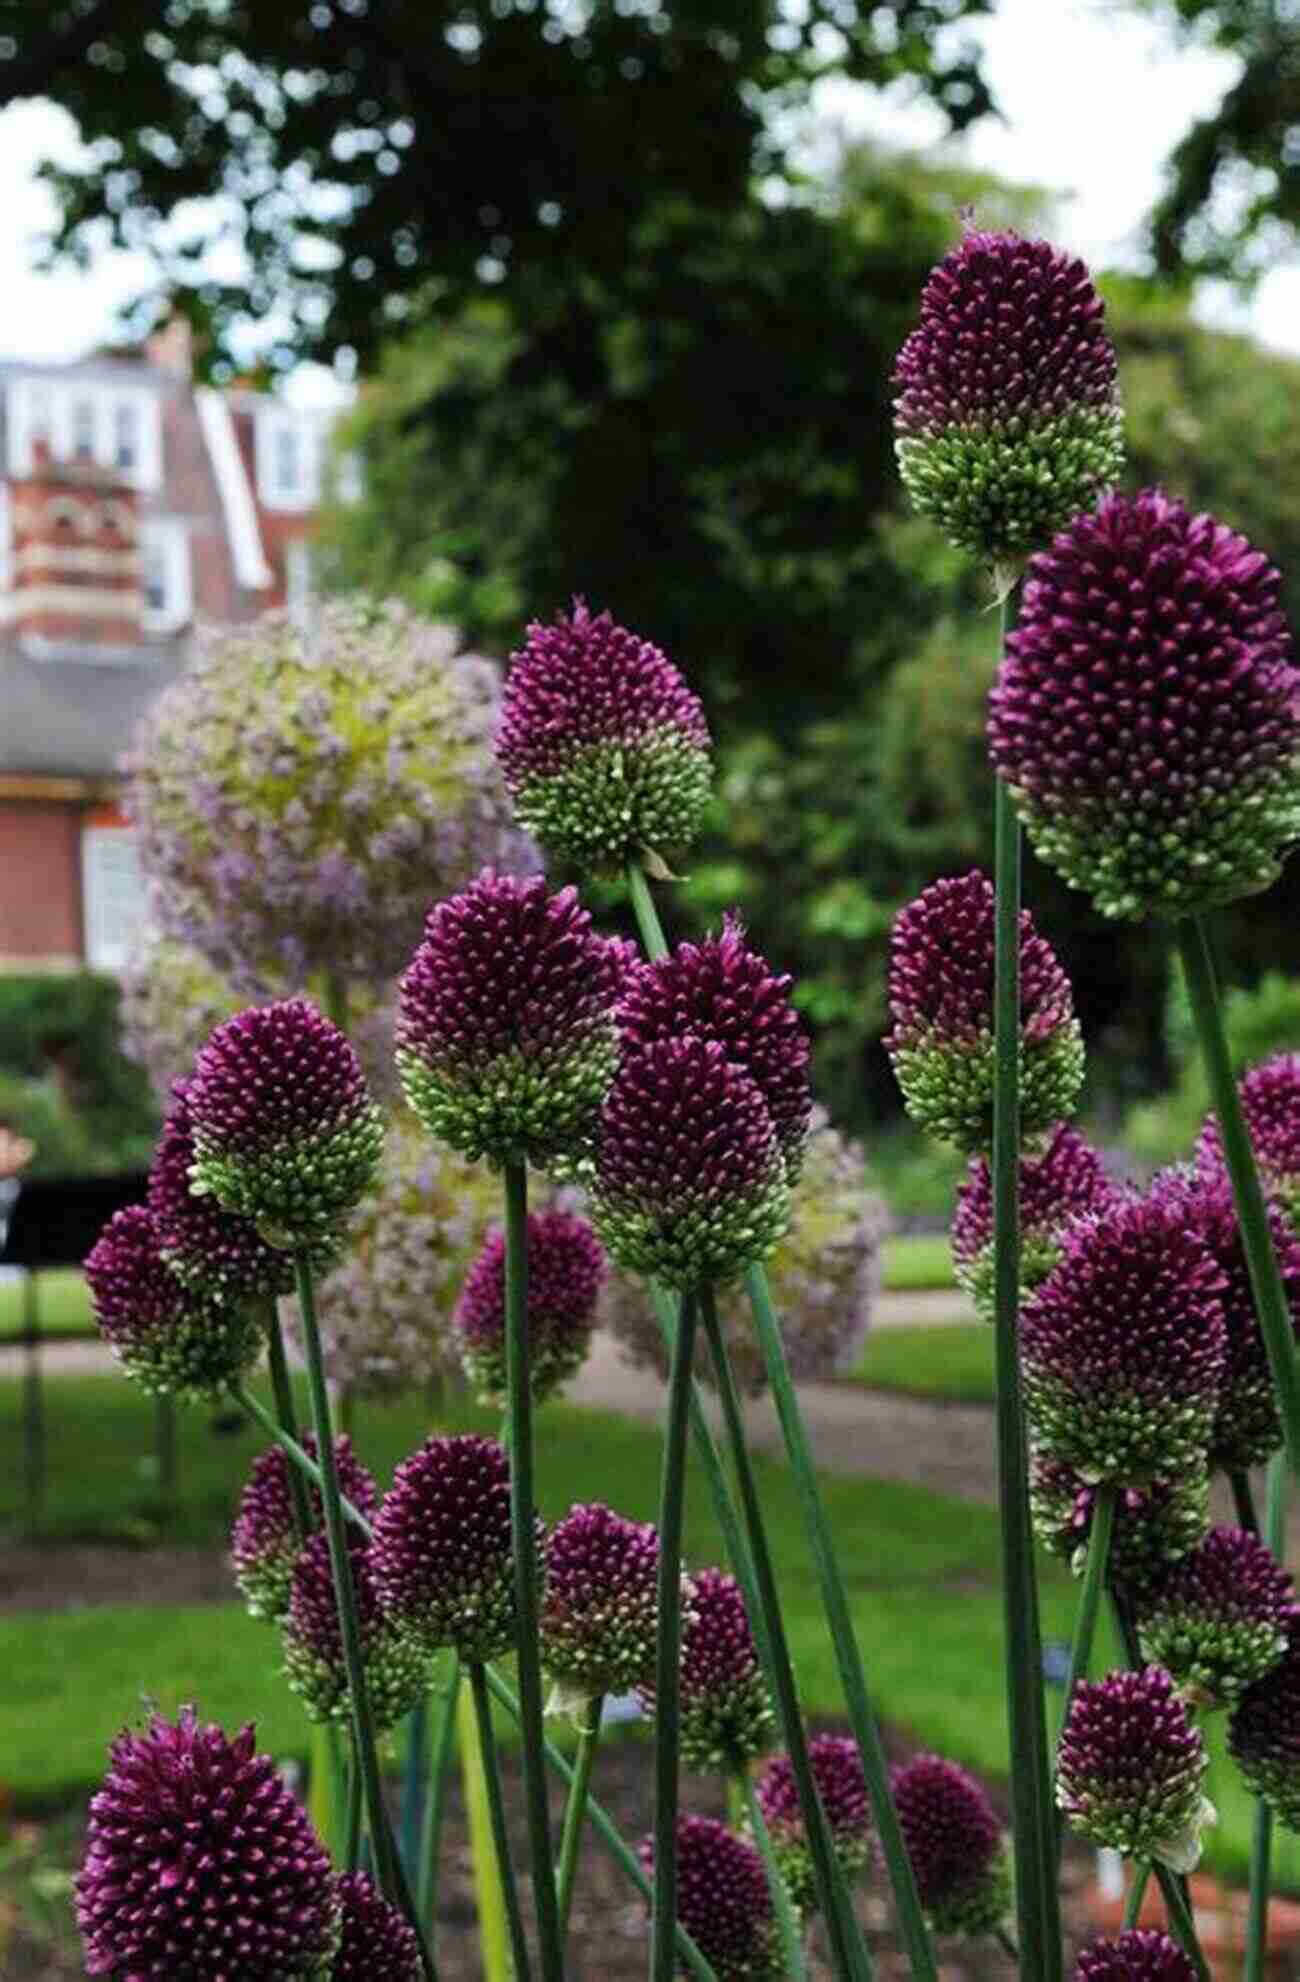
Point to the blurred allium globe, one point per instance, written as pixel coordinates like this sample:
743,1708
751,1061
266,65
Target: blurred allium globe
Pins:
566,1270
723,1900
1063,1184
1130,1766
824,1277
1217,1620
172,999
1153,1525
842,1787
1007,414
604,748
300,797
1140,1955
1270,1101
169,1338
941,1018
955,1844
1146,717
1264,1734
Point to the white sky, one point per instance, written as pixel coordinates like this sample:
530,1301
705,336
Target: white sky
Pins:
1093,99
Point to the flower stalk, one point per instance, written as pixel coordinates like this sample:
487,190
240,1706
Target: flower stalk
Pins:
575,1809
442,1729
787,1920
496,1812
668,1649
1261,1846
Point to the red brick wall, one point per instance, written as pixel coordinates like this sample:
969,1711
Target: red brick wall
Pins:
40,884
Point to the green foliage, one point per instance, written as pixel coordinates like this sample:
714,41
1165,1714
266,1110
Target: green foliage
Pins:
952,1361
917,1262
64,1080
1262,1020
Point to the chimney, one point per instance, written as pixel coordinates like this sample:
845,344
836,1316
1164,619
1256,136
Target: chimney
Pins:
172,347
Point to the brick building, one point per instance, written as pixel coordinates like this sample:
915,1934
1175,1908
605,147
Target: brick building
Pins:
132,502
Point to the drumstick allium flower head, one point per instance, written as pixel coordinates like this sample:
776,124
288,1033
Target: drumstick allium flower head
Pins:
1264,1734
1140,1955
599,1604
726,1716
723,1900
1217,1620
441,1549
955,1843
1153,1525
377,1941
842,1787
1063,1184
566,1270
211,1250
1270,1101
396,1663
264,1540
169,1339
1130,1767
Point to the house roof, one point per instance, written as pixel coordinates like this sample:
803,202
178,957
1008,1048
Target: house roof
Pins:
71,718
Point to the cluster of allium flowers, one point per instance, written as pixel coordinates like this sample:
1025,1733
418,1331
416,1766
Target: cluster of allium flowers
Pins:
604,748
199,1862
1124,1347
378,1945
1007,410
599,1604
690,1181
285,1132
211,1250
955,1845
824,1277
385,1310
506,1039
566,1270
723,1900
1264,1734
264,1540
1217,1620
1140,1955
726,1717
1247,1428
298,796
172,999
842,1788
1065,1183
171,1339
441,1549
395,1662
1270,1101
1147,715
1130,1766
941,1018
1153,1526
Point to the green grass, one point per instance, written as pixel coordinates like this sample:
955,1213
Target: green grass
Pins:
953,1362
917,1263
63,1304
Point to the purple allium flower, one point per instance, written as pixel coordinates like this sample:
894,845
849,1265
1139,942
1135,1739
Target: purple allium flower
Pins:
1217,1620
172,1339
726,1717
1007,414
604,748
1247,1428
941,1011
1153,1525
264,1542
723,1900
200,1863
1140,1955
1130,1766
721,989
284,1130
1065,1183
378,1944
690,1181
506,1039
599,1604
1147,716
1270,1101
566,1270
842,1787
441,1548
1264,1734
211,1250
1124,1347
396,1663
954,1840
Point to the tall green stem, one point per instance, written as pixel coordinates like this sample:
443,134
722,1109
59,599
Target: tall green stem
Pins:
1181,1924
848,1947
653,940
1137,1892
1037,1898
489,1892
302,1459
575,1810
1094,1581
1261,1848
413,1780
1252,1216
286,1412
496,1810
668,1643
441,1737
796,1968
523,1528
1243,1501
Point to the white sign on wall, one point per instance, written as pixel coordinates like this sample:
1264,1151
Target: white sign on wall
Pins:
112,894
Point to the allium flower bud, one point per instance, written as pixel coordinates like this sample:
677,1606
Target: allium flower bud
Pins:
1217,1620
396,1663
441,1548
1124,1347
690,1181
721,989
1007,414
506,1040
1140,1955
842,1787
378,1944
941,1009
1270,1101
599,1604
1130,1766
726,1717
1147,715
211,1250
566,1270
200,1862
284,1131
604,749
723,1900
170,1338
1264,1734
1062,1185
955,1843
1153,1525
264,1540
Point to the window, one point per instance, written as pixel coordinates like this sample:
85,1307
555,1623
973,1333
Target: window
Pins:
153,570
288,459
117,426
165,578
126,434
83,430
285,462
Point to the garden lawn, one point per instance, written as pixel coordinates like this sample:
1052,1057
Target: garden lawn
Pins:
917,1262
64,1304
951,1361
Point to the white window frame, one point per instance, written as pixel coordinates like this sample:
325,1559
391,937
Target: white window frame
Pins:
171,536
269,425
61,397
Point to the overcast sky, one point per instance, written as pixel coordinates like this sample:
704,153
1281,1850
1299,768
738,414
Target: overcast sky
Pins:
1093,100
